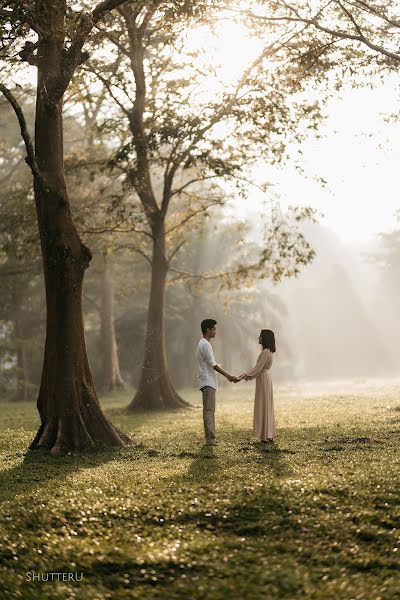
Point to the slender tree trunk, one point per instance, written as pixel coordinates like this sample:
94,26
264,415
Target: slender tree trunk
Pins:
155,390
22,393
111,375
71,416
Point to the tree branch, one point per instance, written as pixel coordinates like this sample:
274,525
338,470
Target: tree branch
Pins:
108,86
191,216
31,158
135,249
105,7
142,183
98,230
229,102
73,57
202,276
352,19
183,187
344,35
366,7
176,250
116,43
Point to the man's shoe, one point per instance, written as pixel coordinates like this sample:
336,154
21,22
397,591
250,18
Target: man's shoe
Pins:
211,443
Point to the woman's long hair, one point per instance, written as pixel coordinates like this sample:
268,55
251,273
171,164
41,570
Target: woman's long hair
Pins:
268,339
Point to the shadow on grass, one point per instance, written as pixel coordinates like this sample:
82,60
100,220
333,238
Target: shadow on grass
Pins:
39,467
272,456
252,515
206,462
119,570
204,465
145,415
255,516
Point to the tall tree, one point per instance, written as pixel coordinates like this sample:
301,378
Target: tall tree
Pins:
71,416
178,141
111,375
92,192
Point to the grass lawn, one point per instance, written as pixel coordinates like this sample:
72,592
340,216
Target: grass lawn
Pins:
316,516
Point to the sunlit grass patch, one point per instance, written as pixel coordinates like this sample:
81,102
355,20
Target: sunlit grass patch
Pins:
314,516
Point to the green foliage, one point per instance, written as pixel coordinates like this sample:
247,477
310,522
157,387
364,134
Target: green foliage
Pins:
353,37
315,516
199,131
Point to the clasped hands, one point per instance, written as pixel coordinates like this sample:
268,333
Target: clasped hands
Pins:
234,379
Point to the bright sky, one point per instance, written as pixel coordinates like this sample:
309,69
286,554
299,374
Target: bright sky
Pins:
358,155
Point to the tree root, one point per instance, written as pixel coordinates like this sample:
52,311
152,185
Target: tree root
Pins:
80,430
157,397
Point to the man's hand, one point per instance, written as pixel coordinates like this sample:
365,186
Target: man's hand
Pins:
229,377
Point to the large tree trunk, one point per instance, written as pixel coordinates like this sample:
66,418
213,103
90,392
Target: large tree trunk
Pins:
71,417
155,391
110,374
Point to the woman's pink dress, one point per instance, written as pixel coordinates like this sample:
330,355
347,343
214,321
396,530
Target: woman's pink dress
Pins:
264,418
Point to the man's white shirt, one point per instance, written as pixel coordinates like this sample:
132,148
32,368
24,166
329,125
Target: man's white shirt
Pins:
206,375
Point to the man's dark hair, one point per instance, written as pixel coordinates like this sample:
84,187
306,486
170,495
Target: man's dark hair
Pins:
207,324
268,339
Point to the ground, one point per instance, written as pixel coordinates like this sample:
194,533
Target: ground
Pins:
316,516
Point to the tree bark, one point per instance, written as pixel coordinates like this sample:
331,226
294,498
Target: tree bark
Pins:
111,378
155,390
71,416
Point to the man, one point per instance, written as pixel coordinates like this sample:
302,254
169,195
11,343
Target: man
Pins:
207,370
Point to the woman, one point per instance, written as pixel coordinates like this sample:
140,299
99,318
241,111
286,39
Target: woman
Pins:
264,418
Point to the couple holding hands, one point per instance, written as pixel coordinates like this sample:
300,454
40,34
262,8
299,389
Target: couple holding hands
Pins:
207,369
